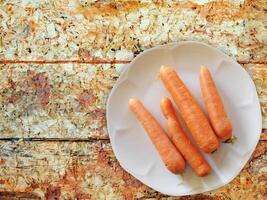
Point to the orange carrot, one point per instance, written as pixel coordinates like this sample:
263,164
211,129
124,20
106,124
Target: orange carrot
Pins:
181,141
213,102
191,112
168,153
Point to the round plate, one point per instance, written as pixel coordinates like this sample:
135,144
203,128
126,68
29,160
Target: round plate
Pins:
132,146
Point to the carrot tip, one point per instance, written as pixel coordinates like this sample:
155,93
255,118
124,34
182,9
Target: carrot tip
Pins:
164,99
164,68
204,68
163,102
131,101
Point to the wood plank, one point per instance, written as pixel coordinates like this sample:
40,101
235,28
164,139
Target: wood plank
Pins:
258,73
55,101
76,29
67,101
89,170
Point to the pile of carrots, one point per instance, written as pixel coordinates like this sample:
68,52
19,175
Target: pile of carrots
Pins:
175,147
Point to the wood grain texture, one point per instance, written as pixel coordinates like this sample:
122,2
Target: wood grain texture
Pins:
73,29
67,101
58,62
89,170
55,101
258,73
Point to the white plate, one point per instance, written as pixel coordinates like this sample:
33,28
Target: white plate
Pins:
131,144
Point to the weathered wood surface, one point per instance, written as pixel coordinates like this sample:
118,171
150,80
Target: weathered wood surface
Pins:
68,100
89,170
70,29
55,101
58,62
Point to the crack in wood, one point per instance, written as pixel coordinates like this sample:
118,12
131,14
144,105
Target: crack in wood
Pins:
91,140
102,61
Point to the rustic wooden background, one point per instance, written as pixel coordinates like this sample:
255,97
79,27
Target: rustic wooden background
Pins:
60,59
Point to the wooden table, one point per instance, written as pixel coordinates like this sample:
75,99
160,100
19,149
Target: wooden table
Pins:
58,63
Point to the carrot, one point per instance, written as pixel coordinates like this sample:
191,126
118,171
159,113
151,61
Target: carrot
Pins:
213,102
176,133
168,153
191,112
